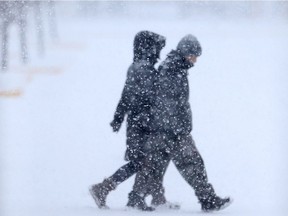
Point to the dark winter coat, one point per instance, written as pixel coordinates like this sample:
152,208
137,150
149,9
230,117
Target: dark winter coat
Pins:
138,94
172,112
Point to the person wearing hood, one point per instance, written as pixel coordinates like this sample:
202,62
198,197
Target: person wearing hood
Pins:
136,100
171,138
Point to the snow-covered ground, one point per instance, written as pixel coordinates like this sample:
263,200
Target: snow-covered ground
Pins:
55,138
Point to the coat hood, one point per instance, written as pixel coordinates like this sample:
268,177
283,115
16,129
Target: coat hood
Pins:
147,46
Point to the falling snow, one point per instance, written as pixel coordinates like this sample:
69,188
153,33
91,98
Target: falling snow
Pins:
63,68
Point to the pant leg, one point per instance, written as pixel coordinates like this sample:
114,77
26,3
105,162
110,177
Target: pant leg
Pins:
159,163
149,180
136,139
190,164
126,171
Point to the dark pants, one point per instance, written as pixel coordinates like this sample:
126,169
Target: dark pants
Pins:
182,151
136,139
126,171
135,142
135,153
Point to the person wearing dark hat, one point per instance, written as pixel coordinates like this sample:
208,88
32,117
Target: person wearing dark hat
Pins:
135,102
171,138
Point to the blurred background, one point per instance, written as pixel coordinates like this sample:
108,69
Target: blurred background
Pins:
63,65
40,19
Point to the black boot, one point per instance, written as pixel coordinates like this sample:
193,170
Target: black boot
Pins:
138,202
214,203
100,191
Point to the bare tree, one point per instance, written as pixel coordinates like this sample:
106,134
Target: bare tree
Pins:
52,20
13,12
37,5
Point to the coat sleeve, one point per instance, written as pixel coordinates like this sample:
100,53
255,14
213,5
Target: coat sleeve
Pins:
137,92
125,102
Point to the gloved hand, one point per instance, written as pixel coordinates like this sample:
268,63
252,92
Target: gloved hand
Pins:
115,125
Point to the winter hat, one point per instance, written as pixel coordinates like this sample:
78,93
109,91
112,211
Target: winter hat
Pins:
189,45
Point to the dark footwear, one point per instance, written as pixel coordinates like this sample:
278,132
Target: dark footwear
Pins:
159,202
138,202
215,203
100,191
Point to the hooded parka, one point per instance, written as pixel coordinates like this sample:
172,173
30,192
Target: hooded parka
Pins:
139,93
